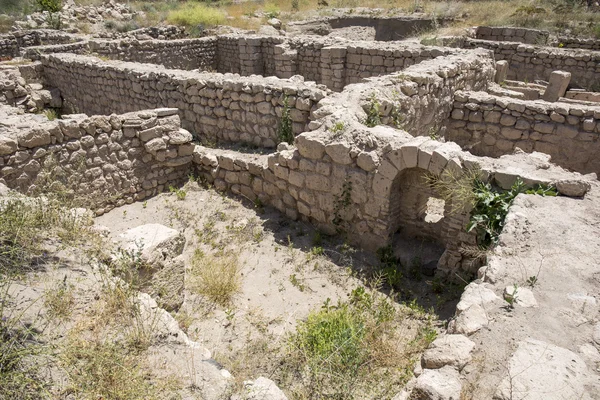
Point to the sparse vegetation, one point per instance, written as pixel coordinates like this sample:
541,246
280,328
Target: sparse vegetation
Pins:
353,350
285,131
373,117
216,276
197,16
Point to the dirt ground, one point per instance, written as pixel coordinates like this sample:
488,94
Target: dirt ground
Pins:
288,269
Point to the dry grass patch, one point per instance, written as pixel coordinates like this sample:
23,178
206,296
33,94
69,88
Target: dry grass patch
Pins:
217,277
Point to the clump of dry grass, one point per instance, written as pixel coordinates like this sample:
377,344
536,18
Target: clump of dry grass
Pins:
59,300
456,187
217,277
104,369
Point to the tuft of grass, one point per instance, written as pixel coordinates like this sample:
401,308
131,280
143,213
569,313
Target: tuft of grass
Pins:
19,376
216,276
103,369
196,15
355,349
59,300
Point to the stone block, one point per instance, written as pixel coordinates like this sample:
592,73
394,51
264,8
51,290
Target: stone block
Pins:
557,85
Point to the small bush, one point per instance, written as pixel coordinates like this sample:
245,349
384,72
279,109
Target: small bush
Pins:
373,118
216,276
49,5
196,15
285,130
59,300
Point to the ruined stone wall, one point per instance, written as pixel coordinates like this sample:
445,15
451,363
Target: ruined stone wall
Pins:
12,43
234,109
420,98
186,54
492,126
369,194
109,160
511,34
528,62
35,52
228,54
8,46
574,42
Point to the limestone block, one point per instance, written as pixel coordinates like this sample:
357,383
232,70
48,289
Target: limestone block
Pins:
179,136
155,145
437,384
7,145
557,85
368,161
501,71
339,153
34,137
410,151
155,242
572,187
452,350
310,147
543,371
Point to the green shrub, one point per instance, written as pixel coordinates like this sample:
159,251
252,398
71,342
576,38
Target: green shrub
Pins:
353,350
49,5
491,208
196,15
285,130
373,117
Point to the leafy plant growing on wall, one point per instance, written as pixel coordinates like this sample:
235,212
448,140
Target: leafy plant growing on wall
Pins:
285,131
491,208
373,118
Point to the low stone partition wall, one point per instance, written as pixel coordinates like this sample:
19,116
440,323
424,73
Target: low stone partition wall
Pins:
527,62
489,125
213,106
35,53
186,54
511,34
386,28
8,46
418,100
12,43
332,62
573,42
108,160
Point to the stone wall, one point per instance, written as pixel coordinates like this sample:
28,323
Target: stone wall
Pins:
339,187
35,52
8,46
492,126
386,28
528,62
186,54
574,42
420,98
213,106
109,160
12,43
511,34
